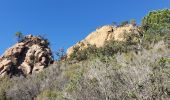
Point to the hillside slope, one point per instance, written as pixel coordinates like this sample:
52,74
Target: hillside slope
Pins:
125,62
107,33
127,76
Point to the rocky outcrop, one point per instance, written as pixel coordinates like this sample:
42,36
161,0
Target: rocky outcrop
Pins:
31,55
106,33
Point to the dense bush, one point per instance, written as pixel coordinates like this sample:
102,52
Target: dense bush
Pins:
157,21
113,47
156,27
150,39
109,49
84,54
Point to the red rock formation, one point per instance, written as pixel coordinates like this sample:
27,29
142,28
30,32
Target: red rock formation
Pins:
31,55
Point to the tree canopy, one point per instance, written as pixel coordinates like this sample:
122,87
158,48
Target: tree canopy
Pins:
157,21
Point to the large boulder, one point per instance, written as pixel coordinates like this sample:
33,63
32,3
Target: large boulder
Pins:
31,55
107,33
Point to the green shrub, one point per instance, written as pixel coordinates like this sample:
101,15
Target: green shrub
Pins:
84,54
113,47
124,23
109,49
150,38
156,26
157,21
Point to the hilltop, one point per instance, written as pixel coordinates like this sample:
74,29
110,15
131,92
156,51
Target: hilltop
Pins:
115,62
108,33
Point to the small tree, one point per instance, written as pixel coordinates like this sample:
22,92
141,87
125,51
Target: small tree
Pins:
157,21
114,24
19,36
61,54
133,22
124,23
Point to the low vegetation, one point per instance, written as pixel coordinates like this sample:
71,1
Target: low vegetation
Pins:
134,70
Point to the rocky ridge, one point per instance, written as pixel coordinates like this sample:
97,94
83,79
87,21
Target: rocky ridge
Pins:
31,55
106,33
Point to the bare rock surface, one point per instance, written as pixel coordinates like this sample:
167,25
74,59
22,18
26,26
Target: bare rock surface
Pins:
31,55
106,33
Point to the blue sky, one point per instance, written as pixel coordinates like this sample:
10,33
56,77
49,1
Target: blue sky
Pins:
66,22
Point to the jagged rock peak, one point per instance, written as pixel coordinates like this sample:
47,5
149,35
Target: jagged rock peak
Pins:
106,33
28,56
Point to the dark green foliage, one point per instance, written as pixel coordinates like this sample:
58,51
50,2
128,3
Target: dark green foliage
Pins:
156,27
80,55
109,49
157,21
112,47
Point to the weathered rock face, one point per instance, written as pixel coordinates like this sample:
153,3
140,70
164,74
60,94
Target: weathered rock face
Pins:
106,33
29,56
